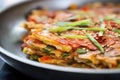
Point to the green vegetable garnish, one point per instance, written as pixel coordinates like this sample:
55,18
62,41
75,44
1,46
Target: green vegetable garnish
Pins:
109,17
113,18
117,21
91,29
101,31
81,51
65,54
74,36
61,29
33,57
94,41
86,22
116,30
48,49
102,25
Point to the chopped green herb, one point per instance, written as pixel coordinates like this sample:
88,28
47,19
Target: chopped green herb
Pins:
81,51
33,57
65,54
48,49
94,41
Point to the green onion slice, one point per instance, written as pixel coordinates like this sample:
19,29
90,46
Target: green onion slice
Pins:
102,25
65,54
116,30
95,42
86,22
74,36
81,51
61,29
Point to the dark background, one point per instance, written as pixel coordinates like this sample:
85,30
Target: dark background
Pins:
8,73
1,64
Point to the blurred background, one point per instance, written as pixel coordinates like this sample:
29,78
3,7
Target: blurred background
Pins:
7,3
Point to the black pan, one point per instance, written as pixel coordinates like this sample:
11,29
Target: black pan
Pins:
10,41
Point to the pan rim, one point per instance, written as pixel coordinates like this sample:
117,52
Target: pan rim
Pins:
49,66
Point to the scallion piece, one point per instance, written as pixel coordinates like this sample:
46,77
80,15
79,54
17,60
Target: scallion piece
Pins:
65,54
116,30
113,18
102,25
33,57
48,49
86,22
91,29
74,36
81,51
101,31
95,42
117,21
109,17
61,29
